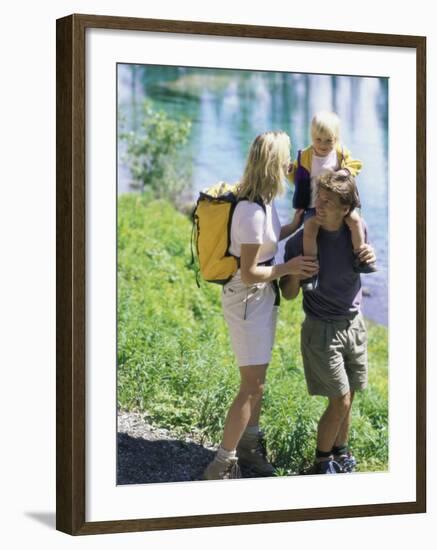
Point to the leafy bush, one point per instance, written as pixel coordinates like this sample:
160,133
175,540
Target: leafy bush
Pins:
152,152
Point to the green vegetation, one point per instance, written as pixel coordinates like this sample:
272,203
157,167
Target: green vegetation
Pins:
174,358
152,152
194,84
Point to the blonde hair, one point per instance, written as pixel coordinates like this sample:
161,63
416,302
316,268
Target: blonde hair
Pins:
326,122
343,186
266,167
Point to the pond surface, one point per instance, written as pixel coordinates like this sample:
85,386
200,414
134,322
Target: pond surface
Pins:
228,108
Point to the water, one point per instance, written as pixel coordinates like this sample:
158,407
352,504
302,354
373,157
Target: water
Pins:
229,108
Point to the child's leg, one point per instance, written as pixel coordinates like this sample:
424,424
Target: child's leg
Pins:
355,224
310,232
353,221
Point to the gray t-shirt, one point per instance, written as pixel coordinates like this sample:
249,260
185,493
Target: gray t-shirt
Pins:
338,291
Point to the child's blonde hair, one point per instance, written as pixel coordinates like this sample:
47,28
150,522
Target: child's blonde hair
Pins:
266,167
326,122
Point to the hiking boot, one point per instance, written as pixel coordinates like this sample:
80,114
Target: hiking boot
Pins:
252,454
222,469
346,462
323,467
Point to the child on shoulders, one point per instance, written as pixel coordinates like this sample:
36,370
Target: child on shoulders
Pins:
325,154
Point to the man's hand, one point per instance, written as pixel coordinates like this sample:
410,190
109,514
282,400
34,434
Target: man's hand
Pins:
366,254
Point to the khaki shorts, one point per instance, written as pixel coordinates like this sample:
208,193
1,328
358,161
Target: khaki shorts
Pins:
251,315
334,355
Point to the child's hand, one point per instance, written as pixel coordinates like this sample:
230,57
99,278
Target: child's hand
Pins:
343,172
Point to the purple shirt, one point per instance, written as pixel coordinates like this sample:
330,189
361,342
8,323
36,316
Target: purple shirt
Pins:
338,291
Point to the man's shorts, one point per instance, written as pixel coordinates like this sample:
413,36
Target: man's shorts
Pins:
334,355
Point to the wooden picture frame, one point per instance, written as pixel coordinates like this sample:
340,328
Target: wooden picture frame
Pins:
71,275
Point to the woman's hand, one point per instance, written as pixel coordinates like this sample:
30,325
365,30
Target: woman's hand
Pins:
302,266
290,228
297,220
367,254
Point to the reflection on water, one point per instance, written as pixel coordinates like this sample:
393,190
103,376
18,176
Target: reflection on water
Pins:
229,108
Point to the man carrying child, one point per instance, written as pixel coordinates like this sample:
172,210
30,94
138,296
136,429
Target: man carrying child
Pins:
334,335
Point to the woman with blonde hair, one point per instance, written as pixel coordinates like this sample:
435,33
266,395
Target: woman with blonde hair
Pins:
251,298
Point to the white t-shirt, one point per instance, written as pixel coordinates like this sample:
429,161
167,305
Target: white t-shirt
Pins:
320,165
251,226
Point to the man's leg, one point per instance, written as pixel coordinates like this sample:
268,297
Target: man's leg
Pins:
343,433
357,373
323,357
332,422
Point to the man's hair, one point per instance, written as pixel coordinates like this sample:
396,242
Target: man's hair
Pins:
266,167
342,185
326,122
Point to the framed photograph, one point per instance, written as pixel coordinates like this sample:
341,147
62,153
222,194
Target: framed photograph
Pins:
151,115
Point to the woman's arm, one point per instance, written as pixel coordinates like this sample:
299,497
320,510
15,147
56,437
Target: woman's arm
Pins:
251,273
290,228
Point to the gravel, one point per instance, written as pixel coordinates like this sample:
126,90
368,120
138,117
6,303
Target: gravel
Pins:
147,454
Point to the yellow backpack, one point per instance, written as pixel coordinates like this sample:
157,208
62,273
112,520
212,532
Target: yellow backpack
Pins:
212,218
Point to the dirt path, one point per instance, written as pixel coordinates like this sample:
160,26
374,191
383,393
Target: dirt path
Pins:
146,454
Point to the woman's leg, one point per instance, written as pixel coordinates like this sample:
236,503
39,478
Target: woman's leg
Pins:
245,408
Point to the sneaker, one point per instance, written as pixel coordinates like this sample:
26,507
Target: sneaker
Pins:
222,469
362,267
252,454
346,462
323,467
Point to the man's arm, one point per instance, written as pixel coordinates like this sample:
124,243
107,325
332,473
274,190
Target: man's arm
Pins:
366,252
290,286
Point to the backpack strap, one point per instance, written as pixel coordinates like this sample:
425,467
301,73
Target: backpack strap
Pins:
194,229
298,158
259,202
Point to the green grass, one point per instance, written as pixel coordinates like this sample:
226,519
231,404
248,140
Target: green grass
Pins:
175,362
